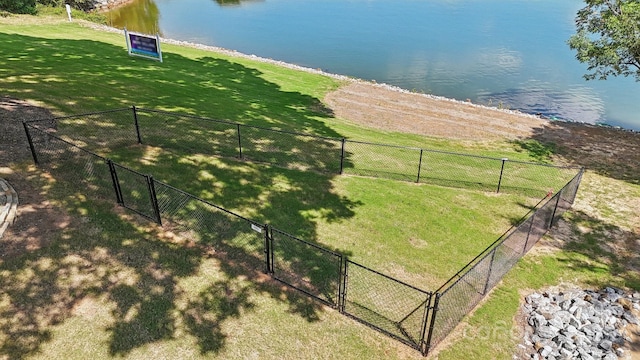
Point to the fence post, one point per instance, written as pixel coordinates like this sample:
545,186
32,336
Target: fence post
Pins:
425,319
526,241
268,250
33,149
419,166
501,172
432,323
154,198
116,183
555,208
486,283
342,156
342,299
135,119
239,141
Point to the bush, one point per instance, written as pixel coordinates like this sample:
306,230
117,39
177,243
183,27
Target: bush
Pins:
93,16
84,5
18,6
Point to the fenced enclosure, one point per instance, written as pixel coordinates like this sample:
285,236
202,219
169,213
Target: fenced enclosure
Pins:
418,318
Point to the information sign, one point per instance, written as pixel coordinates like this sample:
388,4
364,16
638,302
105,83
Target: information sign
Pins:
147,46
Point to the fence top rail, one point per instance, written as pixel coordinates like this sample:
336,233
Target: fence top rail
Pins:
308,243
567,167
461,154
195,117
77,115
68,143
128,169
209,203
390,278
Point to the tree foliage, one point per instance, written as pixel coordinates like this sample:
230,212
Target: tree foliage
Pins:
18,6
607,38
84,5
29,6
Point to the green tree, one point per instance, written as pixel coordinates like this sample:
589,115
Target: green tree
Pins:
18,6
608,38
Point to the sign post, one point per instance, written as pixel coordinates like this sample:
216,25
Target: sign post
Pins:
68,11
142,45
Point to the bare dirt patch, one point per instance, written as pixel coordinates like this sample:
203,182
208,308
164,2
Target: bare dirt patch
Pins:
38,221
388,109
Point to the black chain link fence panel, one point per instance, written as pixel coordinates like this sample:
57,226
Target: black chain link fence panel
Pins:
507,253
188,134
71,165
541,221
229,234
534,179
291,150
568,195
385,161
458,170
100,132
393,307
306,267
460,297
196,135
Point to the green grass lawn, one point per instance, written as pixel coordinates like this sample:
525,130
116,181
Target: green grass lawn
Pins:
112,285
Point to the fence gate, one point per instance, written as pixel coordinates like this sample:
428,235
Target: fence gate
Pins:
305,266
386,304
135,191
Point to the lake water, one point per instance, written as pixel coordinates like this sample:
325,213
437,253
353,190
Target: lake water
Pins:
507,53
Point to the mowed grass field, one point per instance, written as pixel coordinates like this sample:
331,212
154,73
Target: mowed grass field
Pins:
110,284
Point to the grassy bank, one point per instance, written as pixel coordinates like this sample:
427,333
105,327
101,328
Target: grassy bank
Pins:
140,294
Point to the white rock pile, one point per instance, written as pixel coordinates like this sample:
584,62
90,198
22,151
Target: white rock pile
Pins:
579,324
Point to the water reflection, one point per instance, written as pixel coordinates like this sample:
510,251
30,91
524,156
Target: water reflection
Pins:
234,2
140,15
512,53
577,103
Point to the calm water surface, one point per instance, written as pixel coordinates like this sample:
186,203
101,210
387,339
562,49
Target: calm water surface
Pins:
509,53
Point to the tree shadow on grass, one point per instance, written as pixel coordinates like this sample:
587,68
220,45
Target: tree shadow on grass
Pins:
86,76
138,269
600,249
609,152
132,267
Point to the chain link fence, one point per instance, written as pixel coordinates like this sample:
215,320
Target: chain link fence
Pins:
110,130
418,318
464,290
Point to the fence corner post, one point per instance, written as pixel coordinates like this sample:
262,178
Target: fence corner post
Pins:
432,323
501,172
30,140
135,119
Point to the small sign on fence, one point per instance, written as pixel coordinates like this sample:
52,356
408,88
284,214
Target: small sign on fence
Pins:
256,228
147,46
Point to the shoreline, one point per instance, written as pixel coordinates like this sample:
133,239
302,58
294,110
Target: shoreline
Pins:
350,79
345,78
